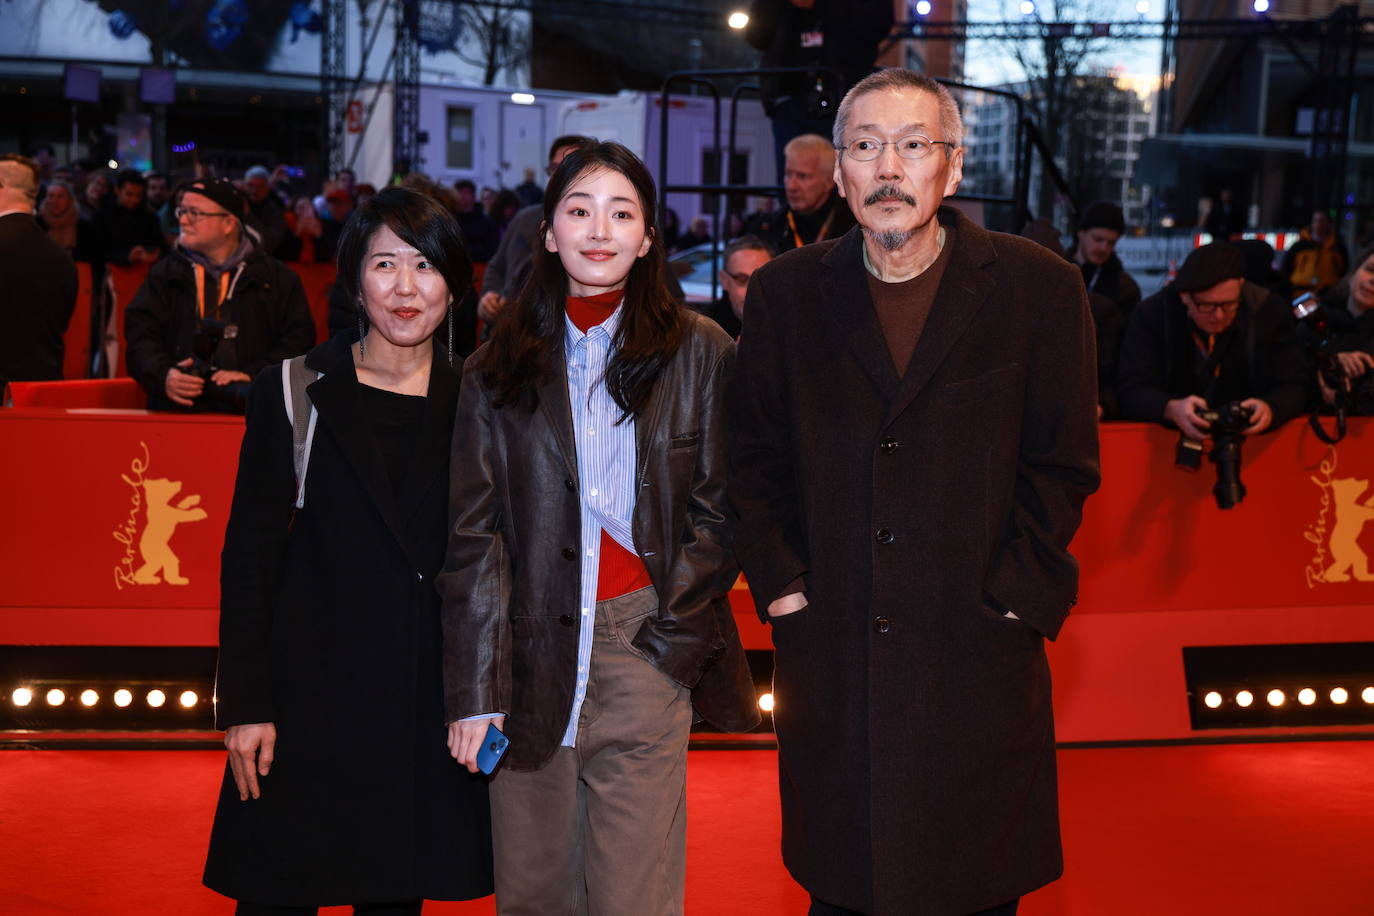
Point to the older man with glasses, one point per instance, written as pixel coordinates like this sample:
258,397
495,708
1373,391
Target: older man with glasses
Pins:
216,312
1209,339
915,434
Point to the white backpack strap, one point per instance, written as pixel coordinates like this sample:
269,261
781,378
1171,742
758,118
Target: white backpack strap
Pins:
301,414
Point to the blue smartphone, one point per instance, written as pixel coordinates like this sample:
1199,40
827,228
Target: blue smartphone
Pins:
493,749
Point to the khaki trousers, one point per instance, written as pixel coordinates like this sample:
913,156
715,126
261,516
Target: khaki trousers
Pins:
601,829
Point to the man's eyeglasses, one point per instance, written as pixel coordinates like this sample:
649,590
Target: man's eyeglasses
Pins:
740,279
195,216
1208,308
915,146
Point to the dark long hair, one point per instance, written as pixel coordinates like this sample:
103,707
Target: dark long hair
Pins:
530,333
418,220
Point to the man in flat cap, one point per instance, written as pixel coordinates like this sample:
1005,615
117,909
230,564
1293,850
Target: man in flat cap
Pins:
215,313
1094,251
1207,339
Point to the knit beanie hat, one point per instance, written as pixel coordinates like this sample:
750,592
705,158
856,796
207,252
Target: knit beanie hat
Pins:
222,191
1103,214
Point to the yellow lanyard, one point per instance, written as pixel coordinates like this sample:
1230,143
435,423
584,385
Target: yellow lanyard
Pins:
820,236
1207,349
200,290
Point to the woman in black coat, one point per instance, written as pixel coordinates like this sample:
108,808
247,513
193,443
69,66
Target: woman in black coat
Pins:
339,788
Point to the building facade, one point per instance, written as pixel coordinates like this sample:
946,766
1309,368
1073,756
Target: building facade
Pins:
1096,156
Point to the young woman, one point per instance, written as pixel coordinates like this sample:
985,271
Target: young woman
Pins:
589,558
338,788
59,215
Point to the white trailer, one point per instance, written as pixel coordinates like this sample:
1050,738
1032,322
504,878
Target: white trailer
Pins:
487,135
634,118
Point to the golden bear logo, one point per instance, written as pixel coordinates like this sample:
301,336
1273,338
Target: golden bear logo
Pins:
1351,514
1347,559
163,518
160,519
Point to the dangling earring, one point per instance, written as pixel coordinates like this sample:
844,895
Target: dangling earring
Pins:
362,355
450,332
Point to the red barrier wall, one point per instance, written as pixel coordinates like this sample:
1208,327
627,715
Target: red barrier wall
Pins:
125,283
317,279
76,340
1163,567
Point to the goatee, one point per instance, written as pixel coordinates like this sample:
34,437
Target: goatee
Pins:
889,239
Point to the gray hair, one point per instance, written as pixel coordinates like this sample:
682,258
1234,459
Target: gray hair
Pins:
895,78
747,243
20,174
815,144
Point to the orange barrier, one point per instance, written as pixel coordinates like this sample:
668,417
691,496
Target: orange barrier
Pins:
122,393
317,280
124,283
76,341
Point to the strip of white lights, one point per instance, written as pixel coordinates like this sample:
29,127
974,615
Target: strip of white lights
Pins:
1277,697
89,697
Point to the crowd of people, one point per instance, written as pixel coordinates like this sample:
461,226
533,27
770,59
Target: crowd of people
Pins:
128,217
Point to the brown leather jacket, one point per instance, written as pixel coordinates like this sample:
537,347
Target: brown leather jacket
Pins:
511,577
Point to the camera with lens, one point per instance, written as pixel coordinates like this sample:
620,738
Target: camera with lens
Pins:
215,347
1227,430
1353,395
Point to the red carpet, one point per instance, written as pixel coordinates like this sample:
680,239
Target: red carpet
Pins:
1259,830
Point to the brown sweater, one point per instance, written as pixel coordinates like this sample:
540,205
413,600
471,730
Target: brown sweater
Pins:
903,307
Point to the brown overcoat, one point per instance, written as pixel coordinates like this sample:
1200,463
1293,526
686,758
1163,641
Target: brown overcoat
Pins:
916,740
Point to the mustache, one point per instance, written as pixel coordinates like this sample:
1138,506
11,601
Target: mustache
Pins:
889,192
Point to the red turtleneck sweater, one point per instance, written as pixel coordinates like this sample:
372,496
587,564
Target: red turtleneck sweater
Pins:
620,571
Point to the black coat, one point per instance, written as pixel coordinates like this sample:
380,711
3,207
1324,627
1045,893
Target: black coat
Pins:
37,297
329,628
1112,281
914,722
851,33
1260,358
722,314
510,585
268,305
120,229
268,217
775,228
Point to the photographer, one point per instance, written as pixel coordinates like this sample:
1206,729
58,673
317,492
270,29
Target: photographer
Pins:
825,34
212,315
1349,313
1209,340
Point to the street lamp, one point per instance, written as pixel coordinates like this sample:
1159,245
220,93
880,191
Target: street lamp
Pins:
738,19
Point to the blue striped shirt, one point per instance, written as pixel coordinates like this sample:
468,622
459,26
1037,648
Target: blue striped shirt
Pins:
606,455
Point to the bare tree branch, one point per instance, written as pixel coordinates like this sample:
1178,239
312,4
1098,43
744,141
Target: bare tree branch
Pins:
1057,93
501,44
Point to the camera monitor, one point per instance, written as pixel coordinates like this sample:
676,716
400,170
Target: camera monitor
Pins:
81,84
157,86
